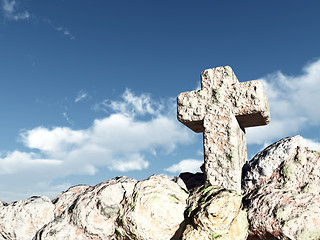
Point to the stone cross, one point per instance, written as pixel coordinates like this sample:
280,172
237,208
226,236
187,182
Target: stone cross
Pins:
221,110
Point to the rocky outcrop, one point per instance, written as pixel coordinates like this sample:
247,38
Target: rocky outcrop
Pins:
282,191
21,220
119,208
215,213
281,200
92,214
155,210
63,201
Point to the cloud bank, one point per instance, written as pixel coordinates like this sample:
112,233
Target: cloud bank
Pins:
137,127
293,105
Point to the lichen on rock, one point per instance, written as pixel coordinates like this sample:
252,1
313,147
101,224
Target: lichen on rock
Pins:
153,211
282,187
215,213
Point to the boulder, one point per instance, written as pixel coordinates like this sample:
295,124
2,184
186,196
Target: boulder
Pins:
215,213
63,201
91,215
281,187
155,210
281,200
21,220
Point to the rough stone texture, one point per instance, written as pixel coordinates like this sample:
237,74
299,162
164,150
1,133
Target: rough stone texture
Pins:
155,210
2,203
21,220
215,213
93,213
282,187
221,110
65,199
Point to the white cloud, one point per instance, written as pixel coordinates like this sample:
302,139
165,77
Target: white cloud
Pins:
59,139
133,162
21,161
118,142
12,10
312,144
81,96
132,105
187,165
293,104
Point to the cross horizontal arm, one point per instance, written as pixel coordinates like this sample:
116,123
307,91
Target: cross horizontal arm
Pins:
251,106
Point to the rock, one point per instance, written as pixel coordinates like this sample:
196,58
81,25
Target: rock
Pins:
192,180
266,162
66,198
21,220
215,213
281,200
180,182
155,210
282,191
221,110
2,203
91,215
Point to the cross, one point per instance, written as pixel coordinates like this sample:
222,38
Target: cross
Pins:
222,109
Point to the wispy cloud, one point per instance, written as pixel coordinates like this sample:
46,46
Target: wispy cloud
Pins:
132,105
187,165
65,115
81,96
293,104
119,142
12,10
65,32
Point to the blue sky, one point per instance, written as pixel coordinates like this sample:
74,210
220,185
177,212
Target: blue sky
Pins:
88,88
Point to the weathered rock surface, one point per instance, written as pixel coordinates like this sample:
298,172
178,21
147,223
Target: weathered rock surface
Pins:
221,110
155,210
281,200
215,213
282,191
21,220
63,201
91,215
2,203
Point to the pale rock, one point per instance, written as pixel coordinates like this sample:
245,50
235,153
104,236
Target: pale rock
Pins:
2,203
181,183
282,187
93,213
155,210
215,213
22,219
221,110
264,164
66,198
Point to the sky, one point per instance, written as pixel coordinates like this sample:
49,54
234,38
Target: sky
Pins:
88,88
